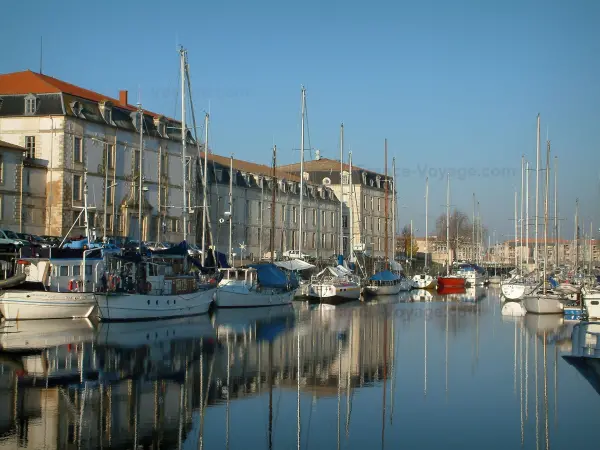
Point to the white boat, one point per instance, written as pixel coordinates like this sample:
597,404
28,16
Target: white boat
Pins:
472,274
256,286
58,284
159,293
544,303
495,279
37,335
386,283
421,295
424,281
334,285
591,301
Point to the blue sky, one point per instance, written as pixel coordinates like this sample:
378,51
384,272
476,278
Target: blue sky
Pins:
450,84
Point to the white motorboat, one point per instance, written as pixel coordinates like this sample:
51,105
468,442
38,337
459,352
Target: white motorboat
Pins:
424,281
143,289
258,285
55,284
591,301
334,285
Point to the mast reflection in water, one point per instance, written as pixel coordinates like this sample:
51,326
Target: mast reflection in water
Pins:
418,372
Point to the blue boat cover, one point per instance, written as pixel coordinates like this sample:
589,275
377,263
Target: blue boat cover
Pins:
178,250
269,275
340,260
553,282
385,275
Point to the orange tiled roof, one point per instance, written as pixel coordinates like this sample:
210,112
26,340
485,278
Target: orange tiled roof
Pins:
28,82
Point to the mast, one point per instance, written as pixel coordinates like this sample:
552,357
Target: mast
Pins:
426,219
301,174
522,205
527,212
141,176
537,189
272,237
183,147
448,224
86,224
576,233
556,211
516,231
205,188
231,209
350,210
386,245
394,208
546,214
474,247
341,189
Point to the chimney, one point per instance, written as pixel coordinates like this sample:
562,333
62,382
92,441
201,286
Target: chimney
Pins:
123,98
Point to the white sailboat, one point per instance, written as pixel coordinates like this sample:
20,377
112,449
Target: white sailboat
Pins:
424,280
142,289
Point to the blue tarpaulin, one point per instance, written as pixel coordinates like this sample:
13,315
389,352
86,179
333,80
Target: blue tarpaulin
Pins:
340,260
178,250
553,282
385,275
269,275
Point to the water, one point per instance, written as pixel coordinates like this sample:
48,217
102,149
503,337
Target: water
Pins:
415,371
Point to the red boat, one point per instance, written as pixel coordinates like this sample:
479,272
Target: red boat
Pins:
450,281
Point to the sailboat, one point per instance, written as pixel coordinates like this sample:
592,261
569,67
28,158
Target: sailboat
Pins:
544,300
449,281
158,287
424,280
385,282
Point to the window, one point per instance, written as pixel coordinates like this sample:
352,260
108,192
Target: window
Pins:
119,222
76,271
378,204
379,224
30,105
91,219
110,157
136,160
248,210
107,113
322,241
366,221
175,225
345,178
314,240
109,222
379,244
305,217
323,219
77,149
188,170
314,217
283,214
164,164
365,202
30,146
63,271
88,269
77,187
304,240
371,203
345,221
294,213
333,219
78,218
1,168
190,204
163,195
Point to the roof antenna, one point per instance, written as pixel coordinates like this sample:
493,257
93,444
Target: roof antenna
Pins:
41,52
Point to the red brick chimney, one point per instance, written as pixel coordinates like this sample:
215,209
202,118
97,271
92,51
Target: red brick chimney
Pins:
123,98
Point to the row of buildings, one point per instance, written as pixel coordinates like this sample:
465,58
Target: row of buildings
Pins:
504,253
62,146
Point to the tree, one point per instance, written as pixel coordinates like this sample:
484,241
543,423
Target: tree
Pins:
408,242
460,230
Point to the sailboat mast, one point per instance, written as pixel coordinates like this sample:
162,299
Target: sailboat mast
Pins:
448,224
205,188
522,206
394,208
385,200
516,232
183,147
576,233
301,173
231,175
141,176
341,189
527,213
546,213
537,192
350,210
473,245
272,237
426,219
556,261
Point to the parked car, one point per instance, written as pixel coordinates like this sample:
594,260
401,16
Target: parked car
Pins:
11,241
295,254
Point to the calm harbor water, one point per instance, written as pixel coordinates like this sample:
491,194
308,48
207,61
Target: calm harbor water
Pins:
415,371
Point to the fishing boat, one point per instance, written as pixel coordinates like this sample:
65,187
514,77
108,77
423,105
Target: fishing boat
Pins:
255,286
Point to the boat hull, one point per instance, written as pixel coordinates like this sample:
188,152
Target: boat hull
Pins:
591,300
513,291
451,282
401,286
333,295
252,299
539,304
37,335
128,307
37,305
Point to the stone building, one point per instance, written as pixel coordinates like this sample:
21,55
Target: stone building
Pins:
22,196
78,134
363,194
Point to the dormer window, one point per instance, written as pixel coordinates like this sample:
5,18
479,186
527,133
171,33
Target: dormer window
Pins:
378,181
106,111
345,177
31,105
364,178
161,126
76,108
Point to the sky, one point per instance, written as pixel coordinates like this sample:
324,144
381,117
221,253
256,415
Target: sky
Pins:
453,85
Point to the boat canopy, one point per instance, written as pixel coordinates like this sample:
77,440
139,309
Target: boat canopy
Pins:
294,264
395,266
269,275
178,250
385,275
339,271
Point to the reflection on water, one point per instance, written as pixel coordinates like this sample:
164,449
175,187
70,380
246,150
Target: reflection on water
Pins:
420,370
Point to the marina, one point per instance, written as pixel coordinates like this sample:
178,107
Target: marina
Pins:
308,376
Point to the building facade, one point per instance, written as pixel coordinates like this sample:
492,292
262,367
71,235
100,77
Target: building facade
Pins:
88,140
364,208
